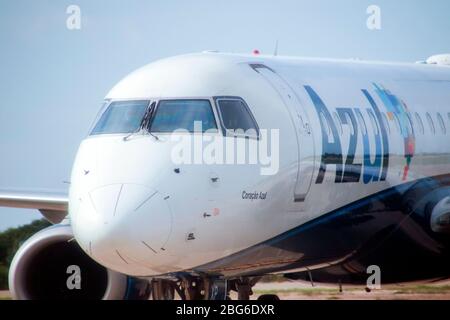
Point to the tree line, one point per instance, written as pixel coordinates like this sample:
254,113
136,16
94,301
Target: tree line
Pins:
10,241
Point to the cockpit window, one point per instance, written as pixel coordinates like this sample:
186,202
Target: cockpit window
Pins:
174,115
121,117
236,115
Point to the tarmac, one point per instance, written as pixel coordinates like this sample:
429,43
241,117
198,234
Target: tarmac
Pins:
300,290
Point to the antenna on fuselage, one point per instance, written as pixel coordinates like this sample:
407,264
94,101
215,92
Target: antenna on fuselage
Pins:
275,52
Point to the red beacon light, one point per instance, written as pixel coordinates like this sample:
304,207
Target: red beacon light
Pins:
256,52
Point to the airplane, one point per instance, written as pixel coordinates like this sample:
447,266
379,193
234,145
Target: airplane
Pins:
358,175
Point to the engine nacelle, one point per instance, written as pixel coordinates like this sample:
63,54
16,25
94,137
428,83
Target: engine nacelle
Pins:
440,216
51,265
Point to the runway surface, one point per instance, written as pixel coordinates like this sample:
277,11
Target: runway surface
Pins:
299,290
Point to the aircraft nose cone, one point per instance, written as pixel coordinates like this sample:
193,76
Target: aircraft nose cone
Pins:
118,224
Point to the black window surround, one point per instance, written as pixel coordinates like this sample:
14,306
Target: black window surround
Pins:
158,102
228,131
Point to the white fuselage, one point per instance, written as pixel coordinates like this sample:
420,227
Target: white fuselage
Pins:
137,212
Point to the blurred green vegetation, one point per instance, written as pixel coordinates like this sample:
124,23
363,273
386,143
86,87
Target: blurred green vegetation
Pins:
10,241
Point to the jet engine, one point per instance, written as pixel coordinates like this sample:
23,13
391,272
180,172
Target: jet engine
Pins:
51,265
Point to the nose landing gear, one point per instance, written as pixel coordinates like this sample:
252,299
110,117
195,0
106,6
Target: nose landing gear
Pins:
162,290
197,288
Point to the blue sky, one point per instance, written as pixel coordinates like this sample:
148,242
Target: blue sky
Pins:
53,80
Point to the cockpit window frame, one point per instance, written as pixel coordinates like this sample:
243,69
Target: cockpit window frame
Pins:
221,129
230,132
105,105
211,103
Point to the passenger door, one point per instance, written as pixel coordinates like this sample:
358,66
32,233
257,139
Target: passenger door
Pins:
306,158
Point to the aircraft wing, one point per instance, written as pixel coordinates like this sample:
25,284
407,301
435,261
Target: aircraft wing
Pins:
53,206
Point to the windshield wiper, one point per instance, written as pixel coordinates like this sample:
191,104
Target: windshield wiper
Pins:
147,116
143,123
146,121
154,136
128,136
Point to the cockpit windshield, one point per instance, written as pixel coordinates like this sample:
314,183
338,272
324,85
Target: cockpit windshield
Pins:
121,117
172,115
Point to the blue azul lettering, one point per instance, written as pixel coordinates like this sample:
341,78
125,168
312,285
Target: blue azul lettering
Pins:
375,166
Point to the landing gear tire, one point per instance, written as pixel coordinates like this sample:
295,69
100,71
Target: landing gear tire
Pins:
268,297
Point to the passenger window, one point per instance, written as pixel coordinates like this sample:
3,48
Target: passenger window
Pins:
430,123
420,123
235,115
172,115
441,123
